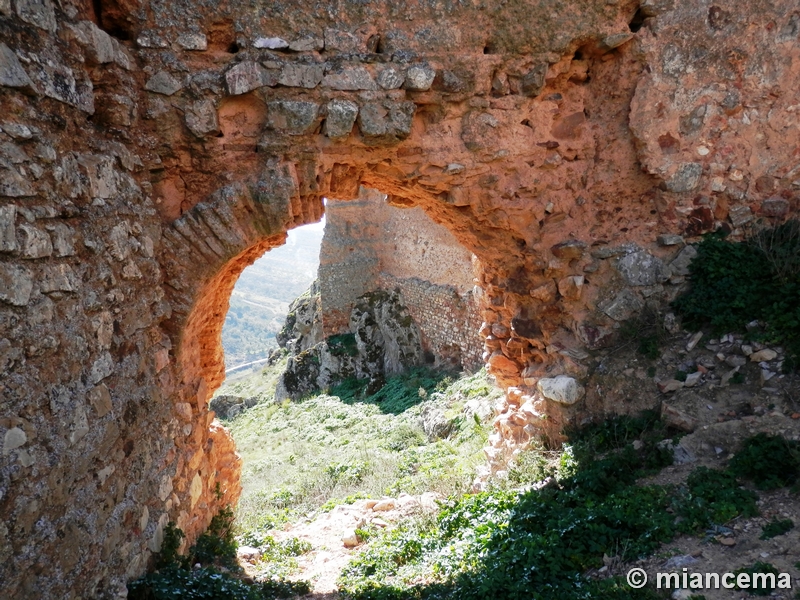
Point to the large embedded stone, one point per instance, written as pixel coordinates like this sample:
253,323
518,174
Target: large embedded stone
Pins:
533,81
246,77
390,78
163,83
686,178
14,185
16,284
58,278
101,175
271,43
561,389
58,81
40,13
11,72
680,265
623,306
350,78
13,439
419,78
201,118
192,41
307,44
8,232
300,75
642,268
99,45
341,118
35,242
386,121
295,117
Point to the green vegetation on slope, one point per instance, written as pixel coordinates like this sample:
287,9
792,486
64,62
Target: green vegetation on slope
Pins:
299,455
734,283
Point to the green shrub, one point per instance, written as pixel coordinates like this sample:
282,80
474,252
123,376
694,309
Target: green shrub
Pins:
769,461
763,588
712,497
343,344
775,528
217,544
734,283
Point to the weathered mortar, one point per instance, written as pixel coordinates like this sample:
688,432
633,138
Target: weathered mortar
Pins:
140,173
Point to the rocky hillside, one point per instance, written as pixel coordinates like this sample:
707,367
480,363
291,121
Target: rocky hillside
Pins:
260,300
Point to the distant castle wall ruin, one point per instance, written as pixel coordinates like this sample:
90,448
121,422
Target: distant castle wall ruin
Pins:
369,244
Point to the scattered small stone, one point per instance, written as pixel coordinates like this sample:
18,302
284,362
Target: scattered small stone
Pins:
763,355
350,538
385,505
692,379
669,240
726,541
248,554
695,339
670,385
379,522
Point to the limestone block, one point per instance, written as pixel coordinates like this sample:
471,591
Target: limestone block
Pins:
763,355
18,131
300,75
341,118
390,78
201,118
562,389
59,82
11,72
740,215
195,489
101,368
623,306
80,425
14,185
40,13
680,265
35,242
63,239
533,81
59,278
270,43
5,7
163,83
341,41
295,117
642,268
247,76
386,120
99,45
14,438
101,175
192,41
16,284
775,207
569,250
8,232
668,239
350,78
307,44
419,78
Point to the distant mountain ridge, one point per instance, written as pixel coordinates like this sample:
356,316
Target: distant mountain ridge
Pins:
260,300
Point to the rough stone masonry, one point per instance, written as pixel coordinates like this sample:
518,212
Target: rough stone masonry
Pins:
151,150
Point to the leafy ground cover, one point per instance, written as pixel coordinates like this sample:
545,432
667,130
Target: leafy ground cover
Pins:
734,283
541,543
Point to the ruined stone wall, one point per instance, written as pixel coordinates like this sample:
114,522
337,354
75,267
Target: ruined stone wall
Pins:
369,245
150,151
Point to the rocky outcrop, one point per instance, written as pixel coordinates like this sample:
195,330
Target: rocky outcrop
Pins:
150,151
382,340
